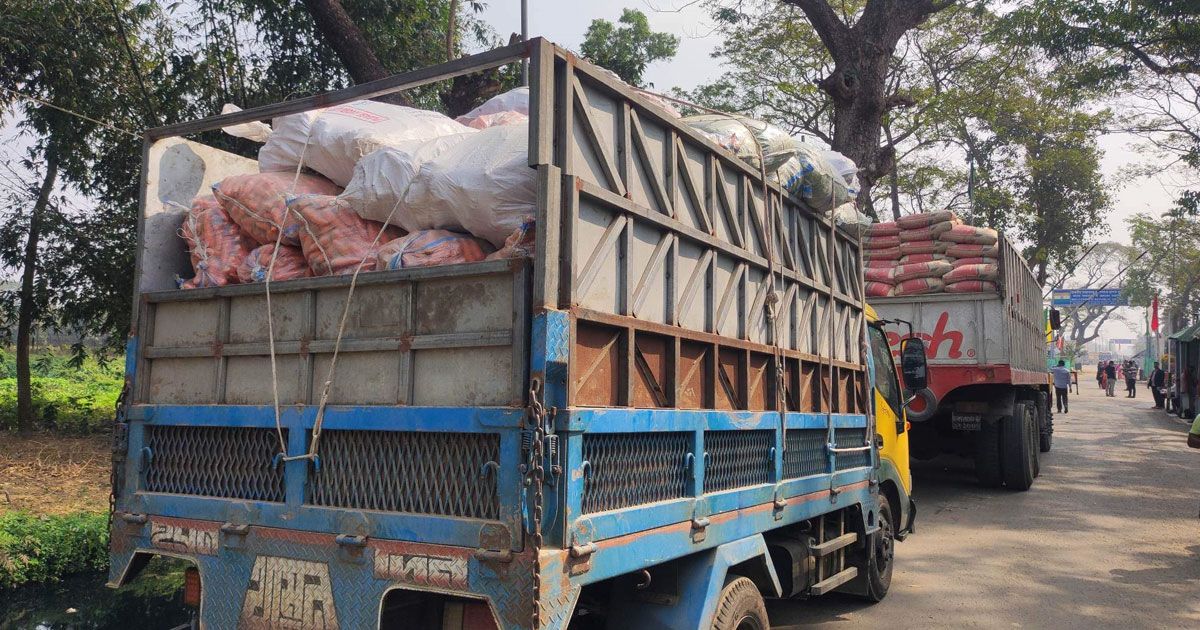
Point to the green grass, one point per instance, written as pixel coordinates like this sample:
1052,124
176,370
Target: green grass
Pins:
46,548
75,399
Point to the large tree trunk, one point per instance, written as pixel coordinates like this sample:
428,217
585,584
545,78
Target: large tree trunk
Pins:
351,46
25,419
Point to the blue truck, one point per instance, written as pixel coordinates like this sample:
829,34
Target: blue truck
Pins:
679,405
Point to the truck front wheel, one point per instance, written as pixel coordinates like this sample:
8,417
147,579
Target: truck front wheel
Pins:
883,553
741,606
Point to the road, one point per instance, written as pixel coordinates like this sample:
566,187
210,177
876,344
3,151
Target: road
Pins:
1108,536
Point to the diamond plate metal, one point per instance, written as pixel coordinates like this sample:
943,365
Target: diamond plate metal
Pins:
444,474
850,438
628,469
737,458
226,462
804,453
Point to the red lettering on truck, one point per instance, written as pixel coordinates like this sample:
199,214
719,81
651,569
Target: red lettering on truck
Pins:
934,341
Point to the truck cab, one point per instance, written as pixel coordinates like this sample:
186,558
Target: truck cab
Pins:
892,426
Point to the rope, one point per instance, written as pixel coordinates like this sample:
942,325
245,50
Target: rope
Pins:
70,112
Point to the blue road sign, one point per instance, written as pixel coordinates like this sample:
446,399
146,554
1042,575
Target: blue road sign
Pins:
1090,297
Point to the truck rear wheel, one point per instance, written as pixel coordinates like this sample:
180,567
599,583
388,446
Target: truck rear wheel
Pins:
741,606
1045,423
987,454
1017,449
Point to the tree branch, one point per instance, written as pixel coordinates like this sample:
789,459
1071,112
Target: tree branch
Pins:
829,27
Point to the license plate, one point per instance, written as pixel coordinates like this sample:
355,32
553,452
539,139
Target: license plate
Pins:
965,421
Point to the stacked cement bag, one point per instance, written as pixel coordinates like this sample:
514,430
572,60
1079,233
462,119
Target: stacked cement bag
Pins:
930,252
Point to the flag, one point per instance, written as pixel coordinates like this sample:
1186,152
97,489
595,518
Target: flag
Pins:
1060,344
1154,314
1049,331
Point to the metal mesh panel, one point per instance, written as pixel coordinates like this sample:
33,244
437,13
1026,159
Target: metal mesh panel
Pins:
737,459
226,462
805,453
422,473
628,469
850,438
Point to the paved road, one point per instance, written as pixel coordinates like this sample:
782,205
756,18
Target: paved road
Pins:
1108,537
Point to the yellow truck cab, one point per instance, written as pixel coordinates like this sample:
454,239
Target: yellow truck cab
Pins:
891,427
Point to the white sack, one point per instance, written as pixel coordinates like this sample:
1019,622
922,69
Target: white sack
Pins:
484,182
257,130
383,178
338,137
511,101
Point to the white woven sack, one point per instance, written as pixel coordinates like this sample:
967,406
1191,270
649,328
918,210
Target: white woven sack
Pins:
382,179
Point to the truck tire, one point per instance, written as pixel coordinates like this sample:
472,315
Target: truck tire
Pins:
1016,444
1045,423
881,555
740,606
987,454
929,406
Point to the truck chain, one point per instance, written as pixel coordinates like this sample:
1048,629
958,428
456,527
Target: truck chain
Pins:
535,475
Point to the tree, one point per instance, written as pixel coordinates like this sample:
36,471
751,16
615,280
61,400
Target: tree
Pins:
1171,265
627,49
1093,268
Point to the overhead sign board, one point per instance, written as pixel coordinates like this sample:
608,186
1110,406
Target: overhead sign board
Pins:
1121,342
1088,297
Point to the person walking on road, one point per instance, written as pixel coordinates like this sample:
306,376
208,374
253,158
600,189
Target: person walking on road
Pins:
1156,382
1062,384
1100,375
1110,379
1131,373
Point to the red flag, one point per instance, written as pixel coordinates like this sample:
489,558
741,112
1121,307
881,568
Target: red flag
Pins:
1154,314
1060,344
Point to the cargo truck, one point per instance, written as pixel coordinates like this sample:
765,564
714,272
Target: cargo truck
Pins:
655,422
988,397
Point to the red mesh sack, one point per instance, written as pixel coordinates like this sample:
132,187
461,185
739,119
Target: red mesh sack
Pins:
881,242
933,269
920,286
892,254
335,240
257,202
971,235
519,244
883,229
430,248
972,272
879,289
289,264
875,274
215,244
920,258
977,260
923,247
972,286
964,250
920,220
928,233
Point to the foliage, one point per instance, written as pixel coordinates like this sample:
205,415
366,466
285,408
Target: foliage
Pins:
76,397
1171,264
41,549
627,49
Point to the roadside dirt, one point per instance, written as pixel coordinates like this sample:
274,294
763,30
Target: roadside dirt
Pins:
45,473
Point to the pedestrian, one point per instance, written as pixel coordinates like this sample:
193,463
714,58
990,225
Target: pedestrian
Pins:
1156,382
1100,374
1062,384
1110,379
1131,374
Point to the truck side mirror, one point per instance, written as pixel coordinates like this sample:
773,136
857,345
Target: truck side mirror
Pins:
1055,319
914,367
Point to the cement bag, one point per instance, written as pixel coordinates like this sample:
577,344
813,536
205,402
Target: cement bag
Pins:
977,260
430,248
965,250
257,203
891,254
923,219
515,101
338,137
879,274
215,244
289,264
972,286
879,289
808,176
484,182
931,232
519,244
923,247
888,228
920,286
972,235
972,272
881,242
921,258
334,239
881,263
747,138
382,179
935,269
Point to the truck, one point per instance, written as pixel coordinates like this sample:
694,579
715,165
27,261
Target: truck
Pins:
989,395
655,421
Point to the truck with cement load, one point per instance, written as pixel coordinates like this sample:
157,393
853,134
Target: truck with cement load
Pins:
679,404
988,397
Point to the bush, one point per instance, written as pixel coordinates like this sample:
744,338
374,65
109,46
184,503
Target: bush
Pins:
77,399
46,548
